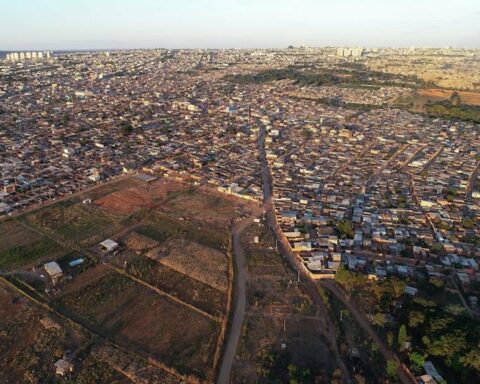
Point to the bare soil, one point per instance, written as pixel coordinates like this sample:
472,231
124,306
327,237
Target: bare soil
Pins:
467,97
198,261
13,234
140,319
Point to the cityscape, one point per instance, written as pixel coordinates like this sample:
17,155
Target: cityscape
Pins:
305,214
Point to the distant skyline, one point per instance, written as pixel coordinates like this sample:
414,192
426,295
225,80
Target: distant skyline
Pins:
121,24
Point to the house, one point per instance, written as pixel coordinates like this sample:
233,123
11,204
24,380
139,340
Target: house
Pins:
63,367
426,379
54,270
109,245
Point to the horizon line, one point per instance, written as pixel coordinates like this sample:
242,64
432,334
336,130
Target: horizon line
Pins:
236,48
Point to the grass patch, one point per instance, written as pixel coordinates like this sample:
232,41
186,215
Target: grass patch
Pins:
23,254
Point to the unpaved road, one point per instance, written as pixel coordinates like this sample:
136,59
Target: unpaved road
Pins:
235,329
403,375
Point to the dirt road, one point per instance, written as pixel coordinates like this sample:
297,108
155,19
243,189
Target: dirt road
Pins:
235,329
403,375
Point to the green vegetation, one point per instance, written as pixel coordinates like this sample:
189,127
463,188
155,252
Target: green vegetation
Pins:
345,229
349,280
360,77
163,227
23,254
448,110
370,366
438,328
126,128
273,365
469,222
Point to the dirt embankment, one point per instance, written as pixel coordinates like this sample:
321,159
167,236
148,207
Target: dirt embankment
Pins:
466,97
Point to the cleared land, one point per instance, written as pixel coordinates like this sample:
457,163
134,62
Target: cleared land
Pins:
177,284
20,246
153,311
198,261
279,312
165,330
467,97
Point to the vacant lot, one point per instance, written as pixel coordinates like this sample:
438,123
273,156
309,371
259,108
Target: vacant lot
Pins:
183,287
73,222
279,311
29,346
471,98
138,195
206,207
198,261
161,228
139,318
13,234
39,249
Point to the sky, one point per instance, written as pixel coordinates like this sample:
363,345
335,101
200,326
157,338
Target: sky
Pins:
117,24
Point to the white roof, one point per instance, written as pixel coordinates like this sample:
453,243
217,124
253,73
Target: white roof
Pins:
53,269
109,244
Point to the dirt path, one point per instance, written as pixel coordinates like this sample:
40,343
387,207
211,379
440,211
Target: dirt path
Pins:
235,330
404,376
307,284
310,285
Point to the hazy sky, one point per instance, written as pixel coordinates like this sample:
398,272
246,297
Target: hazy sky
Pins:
77,24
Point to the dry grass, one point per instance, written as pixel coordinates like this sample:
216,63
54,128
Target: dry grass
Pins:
198,261
129,200
139,319
139,243
13,234
467,97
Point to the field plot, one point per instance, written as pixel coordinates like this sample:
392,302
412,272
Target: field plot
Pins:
138,196
160,299
20,246
135,368
279,312
165,330
31,341
14,234
177,284
73,222
198,261
467,97
104,189
210,208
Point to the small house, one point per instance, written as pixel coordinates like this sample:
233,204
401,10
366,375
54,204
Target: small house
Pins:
53,270
109,245
63,367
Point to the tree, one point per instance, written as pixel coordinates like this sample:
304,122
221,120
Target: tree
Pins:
398,287
127,129
298,375
415,318
472,359
448,345
345,228
455,99
349,280
379,319
390,339
402,337
391,368
417,360
437,283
